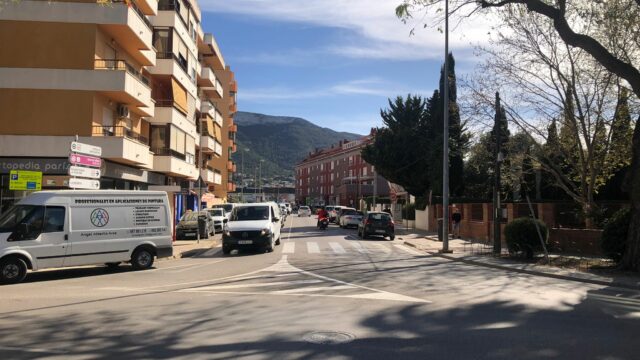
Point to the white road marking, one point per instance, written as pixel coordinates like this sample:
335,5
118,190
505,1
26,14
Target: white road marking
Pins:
312,247
337,248
379,247
409,250
359,247
254,285
313,289
289,248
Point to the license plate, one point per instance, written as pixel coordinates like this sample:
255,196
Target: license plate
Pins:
190,233
380,231
245,242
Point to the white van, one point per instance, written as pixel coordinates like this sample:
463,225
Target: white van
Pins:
252,226
50,229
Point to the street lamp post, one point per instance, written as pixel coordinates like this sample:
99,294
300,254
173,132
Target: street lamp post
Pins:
242,169
260,179
445,155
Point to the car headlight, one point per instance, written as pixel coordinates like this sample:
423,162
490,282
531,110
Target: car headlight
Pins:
265,231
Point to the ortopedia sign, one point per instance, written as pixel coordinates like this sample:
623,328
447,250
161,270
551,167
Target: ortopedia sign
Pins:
25,180
84,172
86,149
85,160
75,183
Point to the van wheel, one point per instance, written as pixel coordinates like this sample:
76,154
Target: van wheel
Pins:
226,250
269,247
142,259
12,270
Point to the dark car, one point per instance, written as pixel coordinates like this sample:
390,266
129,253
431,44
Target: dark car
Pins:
191,221
376,223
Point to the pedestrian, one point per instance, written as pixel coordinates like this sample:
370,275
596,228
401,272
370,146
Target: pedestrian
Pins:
456,217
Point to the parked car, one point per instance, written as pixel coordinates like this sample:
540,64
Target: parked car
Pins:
376,223
350,217
52,229
219,218
191,221
304,211
252,226
333,214
341,212
228,207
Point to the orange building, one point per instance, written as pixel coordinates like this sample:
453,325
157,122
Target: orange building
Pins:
138,78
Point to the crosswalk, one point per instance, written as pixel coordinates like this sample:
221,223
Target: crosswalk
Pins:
355,247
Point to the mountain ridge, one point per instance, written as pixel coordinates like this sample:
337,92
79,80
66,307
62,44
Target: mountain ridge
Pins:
280,141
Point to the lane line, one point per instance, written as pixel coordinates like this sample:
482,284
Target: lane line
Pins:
312,247
337,248
379,248
313,289
289,248
196,266
359,247
32,350
254,285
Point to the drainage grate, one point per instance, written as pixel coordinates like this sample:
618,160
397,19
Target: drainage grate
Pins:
329,337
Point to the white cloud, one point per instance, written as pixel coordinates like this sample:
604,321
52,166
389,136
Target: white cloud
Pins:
380,34
366,86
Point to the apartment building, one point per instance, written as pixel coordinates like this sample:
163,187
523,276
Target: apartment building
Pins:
338,175
138,78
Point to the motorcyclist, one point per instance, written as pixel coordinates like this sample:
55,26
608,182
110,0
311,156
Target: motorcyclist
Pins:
322,214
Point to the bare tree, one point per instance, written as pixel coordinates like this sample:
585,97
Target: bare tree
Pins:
606,30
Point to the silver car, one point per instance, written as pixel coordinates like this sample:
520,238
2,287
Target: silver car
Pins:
304,211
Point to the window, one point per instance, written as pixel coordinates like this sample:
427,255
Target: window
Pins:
53,219
162,42
158,138
25,221
190,150
177,143
364,171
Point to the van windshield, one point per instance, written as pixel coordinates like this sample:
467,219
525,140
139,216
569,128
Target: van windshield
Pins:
16,215
250,213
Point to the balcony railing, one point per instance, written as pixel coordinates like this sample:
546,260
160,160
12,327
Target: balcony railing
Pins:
139,12
170,103
170,5
119,131
121,65
164,151
170,55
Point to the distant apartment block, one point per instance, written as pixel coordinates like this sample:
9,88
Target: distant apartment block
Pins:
338,176
138,78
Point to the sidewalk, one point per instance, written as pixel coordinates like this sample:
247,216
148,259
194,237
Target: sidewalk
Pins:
190,248
476,253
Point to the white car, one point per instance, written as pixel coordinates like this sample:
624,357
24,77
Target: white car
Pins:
219,217
304,211
350,217
252,226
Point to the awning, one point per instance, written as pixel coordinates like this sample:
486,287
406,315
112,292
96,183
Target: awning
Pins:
209,126
179,95
218,132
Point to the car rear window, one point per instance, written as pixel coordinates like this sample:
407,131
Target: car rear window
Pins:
304,208
380,217
350,212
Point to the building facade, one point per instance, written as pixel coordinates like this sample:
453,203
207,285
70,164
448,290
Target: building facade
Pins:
139,78
338,176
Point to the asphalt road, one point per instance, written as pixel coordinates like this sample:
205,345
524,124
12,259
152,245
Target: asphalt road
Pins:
320,295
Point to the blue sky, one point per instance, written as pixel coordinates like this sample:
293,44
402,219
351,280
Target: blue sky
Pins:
332,62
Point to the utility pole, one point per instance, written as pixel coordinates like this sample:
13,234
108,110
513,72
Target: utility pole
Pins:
497,216
445,152
375,187
260,178
242,169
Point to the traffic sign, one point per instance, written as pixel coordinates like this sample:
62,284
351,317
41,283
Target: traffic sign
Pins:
85,160
25,180
84,172
86,149
76,183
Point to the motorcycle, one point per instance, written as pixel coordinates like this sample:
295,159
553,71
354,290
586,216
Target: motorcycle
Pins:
323,223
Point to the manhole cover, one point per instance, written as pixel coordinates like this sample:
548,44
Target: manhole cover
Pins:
329,337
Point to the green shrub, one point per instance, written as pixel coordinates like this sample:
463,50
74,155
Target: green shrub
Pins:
614,236
522,237
409,212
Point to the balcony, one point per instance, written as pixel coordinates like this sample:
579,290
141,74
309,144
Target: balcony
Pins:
231,187
122,145
207,175
208,144
140,89
211,52
217,178
172,163
215,91
233,86
169,112
230,166
170,64
125,24
207,107
168,17
233,128
207,78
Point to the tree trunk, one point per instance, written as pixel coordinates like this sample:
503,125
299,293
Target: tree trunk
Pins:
631,259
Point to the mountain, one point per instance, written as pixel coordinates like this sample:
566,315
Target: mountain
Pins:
281,141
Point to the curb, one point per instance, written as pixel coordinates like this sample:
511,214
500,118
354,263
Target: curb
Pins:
528,272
